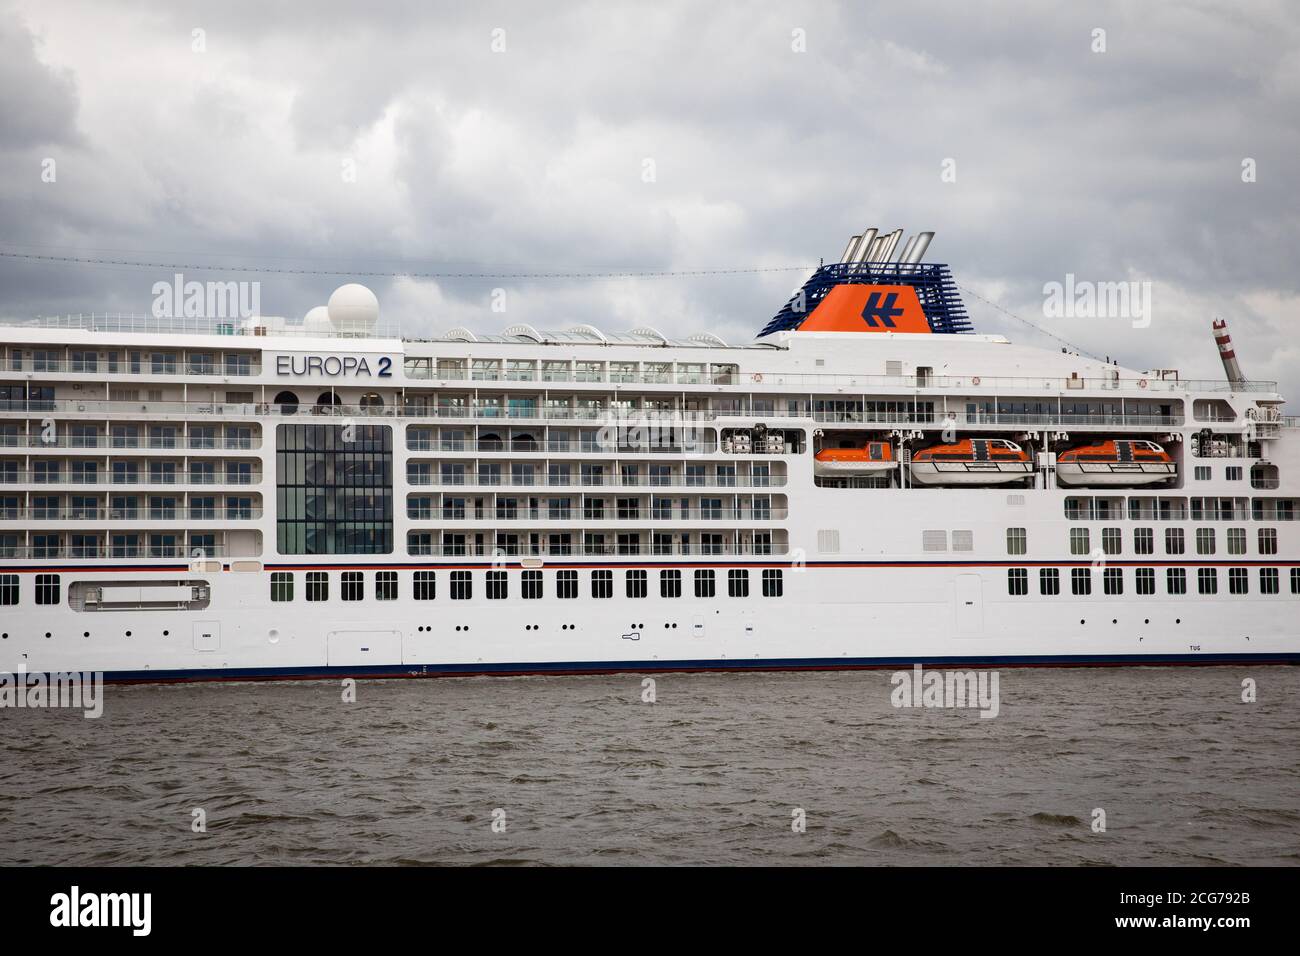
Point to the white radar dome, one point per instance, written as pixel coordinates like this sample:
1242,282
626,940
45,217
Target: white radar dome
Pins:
317,321
353,308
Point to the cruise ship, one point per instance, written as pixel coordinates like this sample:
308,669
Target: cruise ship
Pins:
868,483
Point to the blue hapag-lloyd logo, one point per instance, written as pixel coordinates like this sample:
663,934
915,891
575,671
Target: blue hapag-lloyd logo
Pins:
878,315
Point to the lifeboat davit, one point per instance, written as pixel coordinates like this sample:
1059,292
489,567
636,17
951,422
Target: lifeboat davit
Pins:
1110,464
972,461
872,458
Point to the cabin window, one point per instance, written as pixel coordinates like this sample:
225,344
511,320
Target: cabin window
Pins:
1268,540
1201,472
353,586
462,585
1145,579
8,589
1017,581
282,586
1049,581
1236,540
1144,541
773,582
318,586
1111,539
424,585
1207,580
566,584
1017,541
1079,543
532,585
1238,581
1295,580
385,585
498,588
602,584
1176,580
1205,541
1268,581
1113,581
1232,473
1081,580
670,584
704,584
1174,541
738,583
635,583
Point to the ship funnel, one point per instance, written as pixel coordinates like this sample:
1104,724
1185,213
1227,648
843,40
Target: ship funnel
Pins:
907,250
917,252
851,248
1224,341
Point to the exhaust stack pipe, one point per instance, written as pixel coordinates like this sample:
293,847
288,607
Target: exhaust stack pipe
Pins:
891,240
864,248
1226,352
851,248
907,250
918,249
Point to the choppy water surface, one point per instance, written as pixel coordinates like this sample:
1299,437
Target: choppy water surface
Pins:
589,774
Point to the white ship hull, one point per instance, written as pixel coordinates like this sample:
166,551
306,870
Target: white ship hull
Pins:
896,615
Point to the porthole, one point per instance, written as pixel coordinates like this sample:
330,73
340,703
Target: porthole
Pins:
47,634
167,633
85,634
128,633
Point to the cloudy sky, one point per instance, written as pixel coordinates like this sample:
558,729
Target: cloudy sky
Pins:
499,137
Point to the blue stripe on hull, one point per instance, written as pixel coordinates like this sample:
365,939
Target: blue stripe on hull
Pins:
619,667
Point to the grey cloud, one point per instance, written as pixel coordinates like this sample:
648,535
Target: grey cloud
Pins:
1110,166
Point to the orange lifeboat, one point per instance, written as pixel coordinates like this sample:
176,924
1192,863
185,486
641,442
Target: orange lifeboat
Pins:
872,458
1114,463
972,461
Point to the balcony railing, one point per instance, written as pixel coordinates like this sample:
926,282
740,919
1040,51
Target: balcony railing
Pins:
623,551
663,418
146,513
109,550
117,442
611,515
131,479
184,369
591,481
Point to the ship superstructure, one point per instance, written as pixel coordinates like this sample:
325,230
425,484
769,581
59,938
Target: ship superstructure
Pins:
869,483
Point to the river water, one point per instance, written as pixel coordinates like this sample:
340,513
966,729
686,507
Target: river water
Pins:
717,770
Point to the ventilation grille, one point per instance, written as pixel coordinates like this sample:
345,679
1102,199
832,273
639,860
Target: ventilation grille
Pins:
828,541
934,540
963,541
